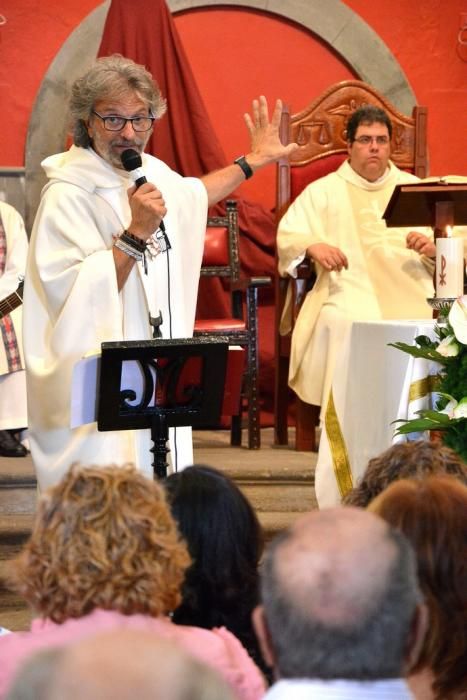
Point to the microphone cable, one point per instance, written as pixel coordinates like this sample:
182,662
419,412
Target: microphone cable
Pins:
169,309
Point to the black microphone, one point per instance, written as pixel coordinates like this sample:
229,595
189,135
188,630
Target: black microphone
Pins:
133,164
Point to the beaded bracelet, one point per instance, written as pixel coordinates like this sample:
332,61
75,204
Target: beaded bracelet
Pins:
133,241
138,255
129,250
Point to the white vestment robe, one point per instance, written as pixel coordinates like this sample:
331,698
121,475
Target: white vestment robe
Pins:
384,280
72,303
13,409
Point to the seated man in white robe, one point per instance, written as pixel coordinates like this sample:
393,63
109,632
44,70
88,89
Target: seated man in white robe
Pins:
364,270
83,283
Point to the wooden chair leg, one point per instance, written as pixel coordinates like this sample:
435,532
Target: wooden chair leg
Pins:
236,430
307,420
254,427
250,392
281,401
236,424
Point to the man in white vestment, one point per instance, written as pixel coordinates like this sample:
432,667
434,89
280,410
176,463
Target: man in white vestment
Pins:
85,284
342,616
364,270
13,408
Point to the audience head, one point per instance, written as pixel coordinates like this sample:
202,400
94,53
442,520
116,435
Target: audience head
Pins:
121,665
432,514
112,78
340,599
34,677
405,460
103,538
225,542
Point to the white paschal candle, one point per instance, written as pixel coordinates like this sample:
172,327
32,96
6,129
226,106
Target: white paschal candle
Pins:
449,267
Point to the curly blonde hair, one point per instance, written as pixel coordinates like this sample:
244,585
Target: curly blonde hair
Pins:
103,538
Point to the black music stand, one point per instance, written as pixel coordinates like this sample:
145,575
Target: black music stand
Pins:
181,382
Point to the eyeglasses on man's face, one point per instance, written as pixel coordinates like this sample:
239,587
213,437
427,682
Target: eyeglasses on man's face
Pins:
114,122
365,140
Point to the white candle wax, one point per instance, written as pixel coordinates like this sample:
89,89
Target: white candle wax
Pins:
449,267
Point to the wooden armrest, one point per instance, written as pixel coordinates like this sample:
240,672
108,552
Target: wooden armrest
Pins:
247,282
305,269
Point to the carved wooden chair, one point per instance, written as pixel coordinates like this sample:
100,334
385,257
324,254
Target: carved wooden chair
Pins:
320,131
221,259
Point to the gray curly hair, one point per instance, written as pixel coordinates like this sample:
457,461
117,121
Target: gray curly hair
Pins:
110,76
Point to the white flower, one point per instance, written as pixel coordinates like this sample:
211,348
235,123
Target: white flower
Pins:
455,409
448,347
458,319
460,411
450,408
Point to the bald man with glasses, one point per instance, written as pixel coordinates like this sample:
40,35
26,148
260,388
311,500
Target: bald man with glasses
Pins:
364,270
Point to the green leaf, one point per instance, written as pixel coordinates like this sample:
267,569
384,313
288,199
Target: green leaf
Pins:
436,416
418,426
425,342
428,353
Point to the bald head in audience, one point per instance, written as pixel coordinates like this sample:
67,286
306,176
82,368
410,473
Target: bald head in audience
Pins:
340,599
118,665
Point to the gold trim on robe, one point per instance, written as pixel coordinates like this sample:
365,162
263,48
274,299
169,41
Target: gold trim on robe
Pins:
340,458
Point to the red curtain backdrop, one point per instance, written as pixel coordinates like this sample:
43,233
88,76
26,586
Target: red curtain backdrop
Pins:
186,140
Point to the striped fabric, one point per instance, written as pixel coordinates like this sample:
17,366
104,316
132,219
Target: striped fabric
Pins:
7,329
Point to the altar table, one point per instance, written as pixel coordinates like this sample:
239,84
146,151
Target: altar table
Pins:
373,385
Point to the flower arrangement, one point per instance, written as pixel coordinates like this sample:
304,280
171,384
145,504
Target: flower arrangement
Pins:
449,349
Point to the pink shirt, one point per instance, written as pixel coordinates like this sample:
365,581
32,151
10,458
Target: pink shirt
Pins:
218,648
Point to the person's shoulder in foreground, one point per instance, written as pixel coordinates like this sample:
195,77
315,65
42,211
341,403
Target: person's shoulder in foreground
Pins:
99,668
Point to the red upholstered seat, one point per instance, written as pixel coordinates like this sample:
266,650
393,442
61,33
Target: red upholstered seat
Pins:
219,324
320,131
302,175
216,246
221,259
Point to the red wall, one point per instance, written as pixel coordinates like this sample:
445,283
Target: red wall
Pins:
237,54
29,41
422,35
258,41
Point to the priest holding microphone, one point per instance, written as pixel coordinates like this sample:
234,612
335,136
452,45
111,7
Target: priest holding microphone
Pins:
110,248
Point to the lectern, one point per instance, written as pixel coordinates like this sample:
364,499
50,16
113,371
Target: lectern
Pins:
158,384
438,203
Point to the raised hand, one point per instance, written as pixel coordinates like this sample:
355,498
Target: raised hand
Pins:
266,146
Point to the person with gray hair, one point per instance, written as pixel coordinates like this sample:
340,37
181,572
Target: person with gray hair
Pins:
342,614
121,665
100,214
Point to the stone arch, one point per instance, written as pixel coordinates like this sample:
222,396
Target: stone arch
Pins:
335,23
